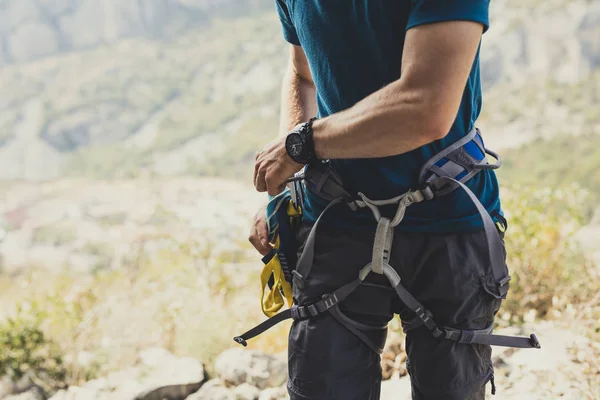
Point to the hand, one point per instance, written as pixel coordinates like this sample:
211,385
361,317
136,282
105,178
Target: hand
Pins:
273,167
258,233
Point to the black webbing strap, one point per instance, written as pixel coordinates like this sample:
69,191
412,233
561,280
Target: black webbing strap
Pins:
485,337
461,336
262,327
300,313
305,262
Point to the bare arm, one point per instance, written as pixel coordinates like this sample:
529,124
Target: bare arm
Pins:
415,110
298,93
298,104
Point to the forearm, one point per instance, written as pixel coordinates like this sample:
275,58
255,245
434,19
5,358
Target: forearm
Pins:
298,100
413,111
394,120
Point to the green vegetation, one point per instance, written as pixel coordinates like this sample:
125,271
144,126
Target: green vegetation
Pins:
168,290
54,235
550,273
26,351
559,162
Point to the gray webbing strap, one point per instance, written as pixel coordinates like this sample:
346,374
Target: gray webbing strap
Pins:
456,145
381,245
306,259
494,242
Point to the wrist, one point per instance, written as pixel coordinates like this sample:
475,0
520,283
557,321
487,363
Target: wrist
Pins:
317,137
299,143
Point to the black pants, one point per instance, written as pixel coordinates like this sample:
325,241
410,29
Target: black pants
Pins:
443,271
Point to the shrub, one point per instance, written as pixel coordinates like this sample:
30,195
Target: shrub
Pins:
25,350
550,274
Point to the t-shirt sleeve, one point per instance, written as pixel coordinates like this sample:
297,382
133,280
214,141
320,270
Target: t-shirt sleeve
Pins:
429,11
289,31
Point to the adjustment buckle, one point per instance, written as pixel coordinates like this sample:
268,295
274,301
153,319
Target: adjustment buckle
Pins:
439,332
329,300
426,191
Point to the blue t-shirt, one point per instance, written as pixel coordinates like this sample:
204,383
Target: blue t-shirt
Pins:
354,48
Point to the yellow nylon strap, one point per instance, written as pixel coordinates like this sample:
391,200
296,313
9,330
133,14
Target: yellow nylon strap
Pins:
274,300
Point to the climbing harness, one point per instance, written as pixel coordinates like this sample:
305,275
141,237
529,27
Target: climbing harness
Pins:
447,171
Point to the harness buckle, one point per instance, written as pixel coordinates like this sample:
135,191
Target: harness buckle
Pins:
426,191
438,332
329,300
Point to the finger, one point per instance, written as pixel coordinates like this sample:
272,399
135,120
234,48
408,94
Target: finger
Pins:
256,242
274,187
256,168
260,183
261,231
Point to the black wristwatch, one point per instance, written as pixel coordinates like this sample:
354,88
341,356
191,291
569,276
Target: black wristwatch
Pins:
299,144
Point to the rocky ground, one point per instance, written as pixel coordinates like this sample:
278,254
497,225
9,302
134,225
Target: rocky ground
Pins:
567,367
81,225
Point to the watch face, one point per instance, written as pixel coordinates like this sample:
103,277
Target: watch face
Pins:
295,145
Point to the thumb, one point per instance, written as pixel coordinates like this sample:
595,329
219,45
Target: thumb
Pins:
263,234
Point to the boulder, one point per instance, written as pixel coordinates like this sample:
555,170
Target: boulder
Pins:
158,376
7,387
31,40
279,393
246,392
396,389
237,366
213,390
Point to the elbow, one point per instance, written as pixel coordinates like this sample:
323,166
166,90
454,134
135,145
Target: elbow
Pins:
438,128
439,121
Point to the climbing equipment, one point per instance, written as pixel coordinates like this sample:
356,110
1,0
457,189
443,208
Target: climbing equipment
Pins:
283,217
445,172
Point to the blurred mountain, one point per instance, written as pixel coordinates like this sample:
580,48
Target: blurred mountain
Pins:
30,29
112,89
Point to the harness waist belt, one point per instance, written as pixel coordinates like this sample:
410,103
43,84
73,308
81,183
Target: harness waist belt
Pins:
445,172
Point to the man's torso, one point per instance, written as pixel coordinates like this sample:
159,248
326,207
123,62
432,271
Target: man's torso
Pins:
354,48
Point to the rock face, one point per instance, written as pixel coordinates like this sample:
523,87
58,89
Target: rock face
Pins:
560,40
30,29
160,375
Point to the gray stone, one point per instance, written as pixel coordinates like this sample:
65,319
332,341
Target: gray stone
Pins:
396,389
16,12
213,390
31,40
279,393
237,366
56,7
160,375
7,387
589,35
246,392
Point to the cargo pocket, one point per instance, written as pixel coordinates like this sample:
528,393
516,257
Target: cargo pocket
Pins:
498,287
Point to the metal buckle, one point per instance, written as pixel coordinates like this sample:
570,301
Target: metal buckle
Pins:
330,300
